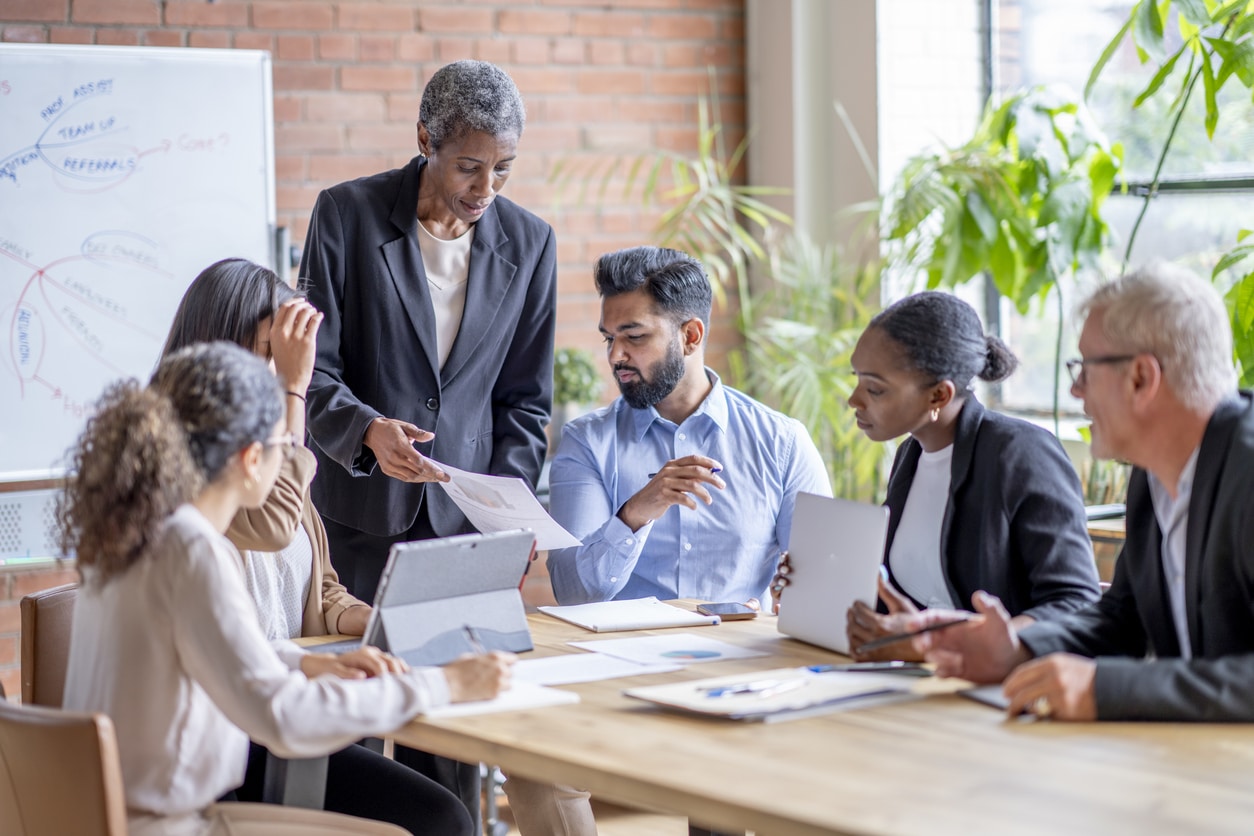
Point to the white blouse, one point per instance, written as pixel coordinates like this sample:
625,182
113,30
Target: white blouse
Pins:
915,555
172,651
278,582
447,265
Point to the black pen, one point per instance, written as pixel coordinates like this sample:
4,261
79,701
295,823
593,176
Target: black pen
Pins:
712,470
896,666
896,637
475,644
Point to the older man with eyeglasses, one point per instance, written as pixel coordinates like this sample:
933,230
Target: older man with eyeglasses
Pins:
1173,638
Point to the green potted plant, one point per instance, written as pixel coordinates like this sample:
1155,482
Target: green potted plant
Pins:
576,385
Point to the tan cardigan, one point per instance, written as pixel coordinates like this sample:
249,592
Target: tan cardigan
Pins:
272,527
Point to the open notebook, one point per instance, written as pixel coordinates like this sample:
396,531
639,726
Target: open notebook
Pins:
629,614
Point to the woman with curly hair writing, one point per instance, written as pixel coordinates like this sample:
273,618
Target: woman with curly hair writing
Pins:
166,640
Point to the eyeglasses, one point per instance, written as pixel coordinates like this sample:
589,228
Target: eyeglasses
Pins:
1075,367
288,442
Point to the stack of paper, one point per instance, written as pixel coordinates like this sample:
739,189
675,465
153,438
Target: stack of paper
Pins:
632,614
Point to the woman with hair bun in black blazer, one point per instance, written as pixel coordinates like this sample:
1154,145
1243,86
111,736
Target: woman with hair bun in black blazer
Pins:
978,500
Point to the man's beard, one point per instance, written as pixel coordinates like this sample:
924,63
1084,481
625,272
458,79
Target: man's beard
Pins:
650,390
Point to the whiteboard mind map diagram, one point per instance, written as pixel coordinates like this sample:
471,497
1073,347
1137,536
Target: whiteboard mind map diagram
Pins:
88,278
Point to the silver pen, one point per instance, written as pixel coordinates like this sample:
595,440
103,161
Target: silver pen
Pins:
760,688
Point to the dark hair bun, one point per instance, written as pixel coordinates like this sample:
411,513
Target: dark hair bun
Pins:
999,360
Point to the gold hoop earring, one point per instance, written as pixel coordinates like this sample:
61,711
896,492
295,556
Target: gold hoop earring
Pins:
935,415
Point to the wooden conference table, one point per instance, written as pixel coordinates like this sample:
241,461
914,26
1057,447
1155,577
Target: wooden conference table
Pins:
938,764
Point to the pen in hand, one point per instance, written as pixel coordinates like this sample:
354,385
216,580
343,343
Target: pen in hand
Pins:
712,470
896,637
475,644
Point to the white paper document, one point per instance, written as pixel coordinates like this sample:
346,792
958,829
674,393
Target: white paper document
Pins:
503,503
570,668
681,648
629,614
521,695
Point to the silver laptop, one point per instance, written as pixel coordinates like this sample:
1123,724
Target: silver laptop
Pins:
435,594
836,548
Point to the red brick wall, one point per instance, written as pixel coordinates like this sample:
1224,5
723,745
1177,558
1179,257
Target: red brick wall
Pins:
598,78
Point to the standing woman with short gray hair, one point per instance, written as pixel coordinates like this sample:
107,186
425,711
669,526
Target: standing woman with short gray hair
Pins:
437,343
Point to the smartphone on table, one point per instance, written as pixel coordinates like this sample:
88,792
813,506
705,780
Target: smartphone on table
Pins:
728,611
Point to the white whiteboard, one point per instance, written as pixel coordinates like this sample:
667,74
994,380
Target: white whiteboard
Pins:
124,172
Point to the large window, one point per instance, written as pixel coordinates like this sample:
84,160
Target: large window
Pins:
1207,189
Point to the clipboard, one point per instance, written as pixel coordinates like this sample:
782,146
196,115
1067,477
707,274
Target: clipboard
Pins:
773,695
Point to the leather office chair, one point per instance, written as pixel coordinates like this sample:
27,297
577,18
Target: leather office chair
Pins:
59,773
46,619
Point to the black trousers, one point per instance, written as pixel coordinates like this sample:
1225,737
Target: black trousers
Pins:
366,784
359,559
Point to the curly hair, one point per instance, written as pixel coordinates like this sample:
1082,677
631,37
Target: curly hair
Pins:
225,397
128,471
467,96
146,451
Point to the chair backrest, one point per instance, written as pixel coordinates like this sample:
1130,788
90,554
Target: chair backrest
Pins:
59,773
46,619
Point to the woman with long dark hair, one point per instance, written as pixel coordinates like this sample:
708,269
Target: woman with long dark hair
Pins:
282,542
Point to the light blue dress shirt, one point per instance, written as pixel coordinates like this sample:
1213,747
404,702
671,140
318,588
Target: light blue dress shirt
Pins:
1173,522
726,551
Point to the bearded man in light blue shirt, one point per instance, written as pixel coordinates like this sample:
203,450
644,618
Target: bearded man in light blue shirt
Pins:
683,487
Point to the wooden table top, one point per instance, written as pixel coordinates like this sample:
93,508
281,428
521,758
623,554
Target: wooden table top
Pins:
1108,531
938,764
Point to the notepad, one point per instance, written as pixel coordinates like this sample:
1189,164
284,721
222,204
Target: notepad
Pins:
990,695
631,614
773,694
687,648
522,695
570,668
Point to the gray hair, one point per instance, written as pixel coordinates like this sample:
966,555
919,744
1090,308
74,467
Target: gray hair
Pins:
471,96
1167,311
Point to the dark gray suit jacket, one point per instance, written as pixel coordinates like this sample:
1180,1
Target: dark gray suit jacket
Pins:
377,350
1134,618
1014,525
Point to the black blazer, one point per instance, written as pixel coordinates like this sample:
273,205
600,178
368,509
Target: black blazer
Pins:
377,351
1134,617
1014,525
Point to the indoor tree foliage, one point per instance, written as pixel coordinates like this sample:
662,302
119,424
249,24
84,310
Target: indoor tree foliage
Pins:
575,377
705,211
1019,202
818,304
799,333
1217,39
